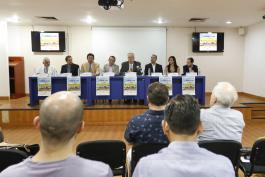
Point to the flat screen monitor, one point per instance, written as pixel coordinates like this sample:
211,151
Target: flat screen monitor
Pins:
208,42
48,41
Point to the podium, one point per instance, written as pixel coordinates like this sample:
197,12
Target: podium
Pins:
16,77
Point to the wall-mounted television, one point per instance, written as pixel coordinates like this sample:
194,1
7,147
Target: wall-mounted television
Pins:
208,42
48,41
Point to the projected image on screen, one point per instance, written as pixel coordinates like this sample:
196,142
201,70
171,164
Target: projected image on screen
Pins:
208,41
49,41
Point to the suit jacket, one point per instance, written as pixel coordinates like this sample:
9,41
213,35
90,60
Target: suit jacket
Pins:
136,68
158,68
74,69
115,69
186,69
95,68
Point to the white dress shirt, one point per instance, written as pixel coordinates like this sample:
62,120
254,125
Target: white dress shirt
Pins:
154,68
184,159
221,123
41,70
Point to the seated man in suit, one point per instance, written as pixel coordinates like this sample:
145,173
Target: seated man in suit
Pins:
153,67
46,68
91,66
220,122
70,67
60,120
131,65
111,66
190,67
183,156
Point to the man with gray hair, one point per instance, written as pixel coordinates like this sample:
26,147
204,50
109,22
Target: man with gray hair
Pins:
220,122
131,65
59,128
46,68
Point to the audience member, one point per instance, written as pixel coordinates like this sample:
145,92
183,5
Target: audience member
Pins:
59,128
183,156
220,121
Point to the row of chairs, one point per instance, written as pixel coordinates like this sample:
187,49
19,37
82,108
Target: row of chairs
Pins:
113,153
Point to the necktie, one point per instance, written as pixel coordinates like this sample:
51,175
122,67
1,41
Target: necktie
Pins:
131,68
90,68
46,70
68,68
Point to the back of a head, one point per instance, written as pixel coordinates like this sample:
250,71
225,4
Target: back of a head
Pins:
225,94
60,116
183,115
158,94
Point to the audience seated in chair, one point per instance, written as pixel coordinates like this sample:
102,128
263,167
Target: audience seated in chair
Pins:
59,128
183,156
220,122
146,128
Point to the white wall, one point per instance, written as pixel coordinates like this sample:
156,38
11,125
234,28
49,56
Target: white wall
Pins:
4,82
118,41
217,67
254,62
227,66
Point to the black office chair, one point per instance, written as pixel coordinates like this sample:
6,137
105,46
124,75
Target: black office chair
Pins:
142,150
256,163
111,152
227,148
10,157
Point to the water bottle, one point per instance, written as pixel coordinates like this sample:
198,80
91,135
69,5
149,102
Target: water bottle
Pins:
149,72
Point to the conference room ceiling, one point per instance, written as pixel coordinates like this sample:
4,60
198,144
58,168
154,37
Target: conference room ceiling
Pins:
137,12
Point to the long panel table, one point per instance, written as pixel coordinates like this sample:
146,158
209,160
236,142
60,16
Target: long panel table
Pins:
88,88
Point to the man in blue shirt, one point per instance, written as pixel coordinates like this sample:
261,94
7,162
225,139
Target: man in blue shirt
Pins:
147,128
183,157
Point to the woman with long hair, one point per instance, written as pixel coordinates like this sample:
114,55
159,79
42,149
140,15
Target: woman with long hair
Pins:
172,66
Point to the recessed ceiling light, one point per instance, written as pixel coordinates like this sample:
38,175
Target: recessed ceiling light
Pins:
228,22
13,19
89,20
160,21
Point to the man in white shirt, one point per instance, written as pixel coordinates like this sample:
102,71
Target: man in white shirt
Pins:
183,157
220,122
46,68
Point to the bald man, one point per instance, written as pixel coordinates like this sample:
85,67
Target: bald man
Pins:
58,128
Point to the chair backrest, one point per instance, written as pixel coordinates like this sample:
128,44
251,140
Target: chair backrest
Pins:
227,148
142,150
10,157
111,152
257,156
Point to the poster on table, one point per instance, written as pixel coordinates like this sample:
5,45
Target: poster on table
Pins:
130,86
188,85
167,80
102,86
74,85
44,86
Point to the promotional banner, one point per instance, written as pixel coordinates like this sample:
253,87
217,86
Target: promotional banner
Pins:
166,80
102,86
74,85
188,85
130,86
44,86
